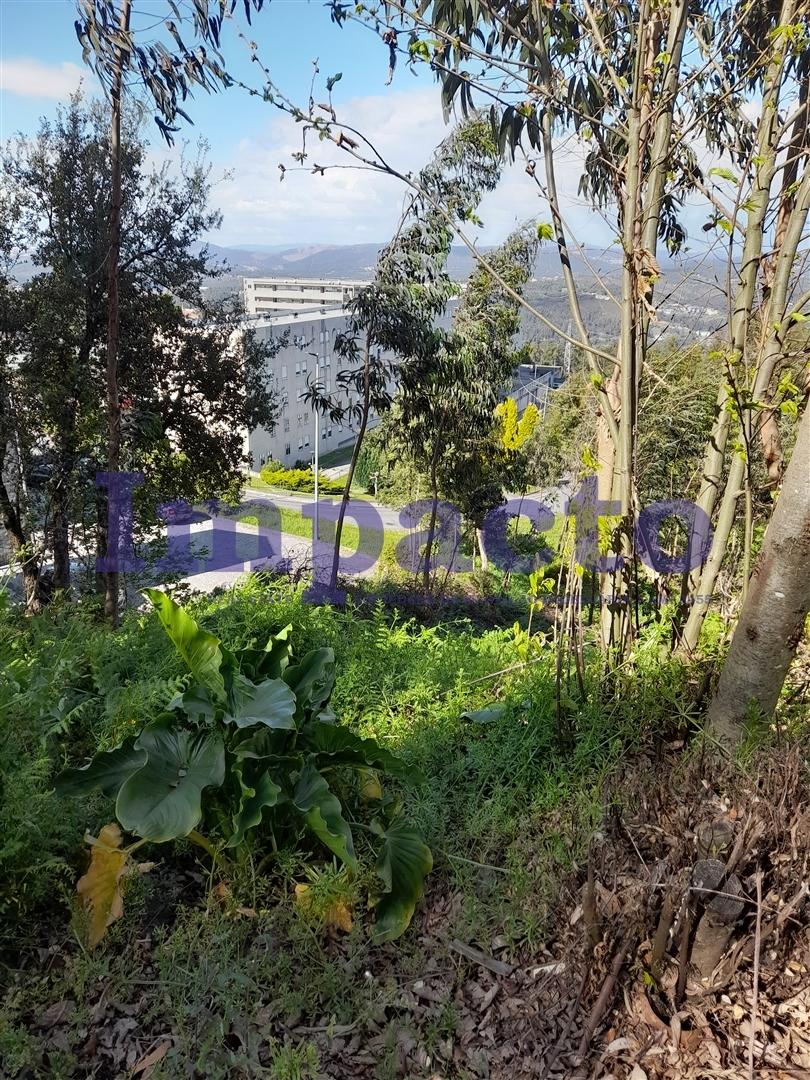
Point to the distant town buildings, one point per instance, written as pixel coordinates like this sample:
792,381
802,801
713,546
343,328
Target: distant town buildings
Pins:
270,295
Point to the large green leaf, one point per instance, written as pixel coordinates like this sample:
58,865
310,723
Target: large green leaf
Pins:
162,800
195,702
269,662
107,771
312,680
258,791
271,703
340,746
200,650
404,862
323,813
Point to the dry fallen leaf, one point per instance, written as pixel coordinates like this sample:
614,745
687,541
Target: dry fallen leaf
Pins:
152,1058
100,887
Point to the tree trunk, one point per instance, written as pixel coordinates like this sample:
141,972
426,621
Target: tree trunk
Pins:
21,545
434,494
772,619
482,551
347,491
60,531
113,259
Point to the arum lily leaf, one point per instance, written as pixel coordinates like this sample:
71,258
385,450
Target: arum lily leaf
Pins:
342,747
312,681
100,888
162,800
195,702
258,791
271,703
486,715
108,770
404,862
200,650
322,812
269,662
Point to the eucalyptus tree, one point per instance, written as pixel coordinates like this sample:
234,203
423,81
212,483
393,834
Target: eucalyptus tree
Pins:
392,336
774,613
447,406
167,76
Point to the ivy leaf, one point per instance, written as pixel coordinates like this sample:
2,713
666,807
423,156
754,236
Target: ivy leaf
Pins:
404,862
271,703
200,650
343,747
163,800
323,814
258,791
330,82
108,770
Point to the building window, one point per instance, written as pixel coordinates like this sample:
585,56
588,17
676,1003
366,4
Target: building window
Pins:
300,444
286,423
284,371
286,449
306,440
298,367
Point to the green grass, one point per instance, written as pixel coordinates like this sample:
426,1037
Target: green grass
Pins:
293,523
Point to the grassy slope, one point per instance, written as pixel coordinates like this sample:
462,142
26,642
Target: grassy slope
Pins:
505,811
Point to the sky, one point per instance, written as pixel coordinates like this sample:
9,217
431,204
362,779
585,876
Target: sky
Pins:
41,64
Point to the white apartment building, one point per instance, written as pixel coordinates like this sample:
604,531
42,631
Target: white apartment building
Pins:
307,356
269,295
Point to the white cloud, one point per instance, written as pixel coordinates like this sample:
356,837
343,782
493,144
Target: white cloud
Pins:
353,205
32,78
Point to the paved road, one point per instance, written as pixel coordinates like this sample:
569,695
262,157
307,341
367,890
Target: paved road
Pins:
390,518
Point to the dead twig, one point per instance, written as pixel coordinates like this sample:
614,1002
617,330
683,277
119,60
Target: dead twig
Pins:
755,997
605,994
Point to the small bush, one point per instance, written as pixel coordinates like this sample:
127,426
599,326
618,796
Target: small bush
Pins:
299,480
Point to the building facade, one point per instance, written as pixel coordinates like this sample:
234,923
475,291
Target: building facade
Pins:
265,296
306,356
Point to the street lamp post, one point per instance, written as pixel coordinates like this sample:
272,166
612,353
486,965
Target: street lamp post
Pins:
316,533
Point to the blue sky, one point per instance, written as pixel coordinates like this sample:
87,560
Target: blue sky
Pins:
41,63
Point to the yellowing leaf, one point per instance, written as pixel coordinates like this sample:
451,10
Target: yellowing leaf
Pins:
100,887
335,913
370,786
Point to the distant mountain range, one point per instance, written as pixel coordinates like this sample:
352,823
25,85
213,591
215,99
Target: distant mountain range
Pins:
358,260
